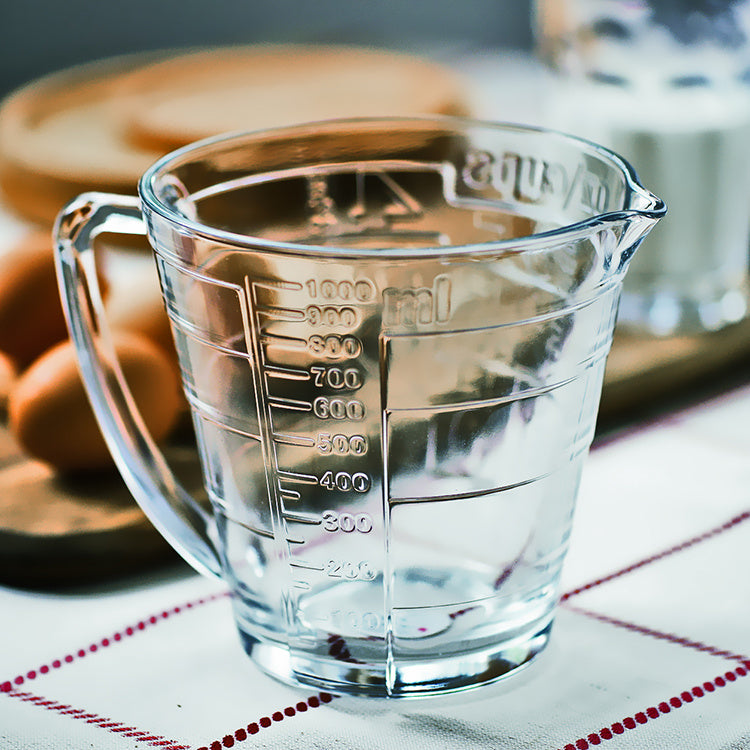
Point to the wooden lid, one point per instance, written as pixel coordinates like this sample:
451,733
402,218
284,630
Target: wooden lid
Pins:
99,126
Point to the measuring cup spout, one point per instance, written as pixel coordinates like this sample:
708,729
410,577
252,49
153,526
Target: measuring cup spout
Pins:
647,208
643,211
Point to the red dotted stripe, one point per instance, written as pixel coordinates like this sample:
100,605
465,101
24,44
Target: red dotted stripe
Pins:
241,734
93,648
669,637
102,722
661,555
654,712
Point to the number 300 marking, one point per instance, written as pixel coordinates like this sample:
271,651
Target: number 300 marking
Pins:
347,522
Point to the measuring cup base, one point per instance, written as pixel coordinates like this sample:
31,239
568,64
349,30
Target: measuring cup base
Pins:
403,678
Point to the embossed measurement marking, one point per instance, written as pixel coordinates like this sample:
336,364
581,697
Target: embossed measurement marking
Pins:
317,405
286,373
297,477
287,494
307,518
291,404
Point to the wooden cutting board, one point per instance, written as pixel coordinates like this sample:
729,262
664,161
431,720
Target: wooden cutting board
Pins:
60,531
645,372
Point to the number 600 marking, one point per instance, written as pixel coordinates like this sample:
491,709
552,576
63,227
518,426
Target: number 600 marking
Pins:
338,408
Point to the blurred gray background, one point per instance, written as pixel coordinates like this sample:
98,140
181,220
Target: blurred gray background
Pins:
41,36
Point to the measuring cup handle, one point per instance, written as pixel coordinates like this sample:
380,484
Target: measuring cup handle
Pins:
174,512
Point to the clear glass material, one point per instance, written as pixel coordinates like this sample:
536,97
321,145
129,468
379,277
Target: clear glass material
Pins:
667,85
392,335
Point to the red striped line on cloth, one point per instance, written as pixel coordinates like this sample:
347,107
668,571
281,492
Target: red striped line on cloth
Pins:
710,534
661,635
118,727
654,712
670,418
687,696
127,632
241,734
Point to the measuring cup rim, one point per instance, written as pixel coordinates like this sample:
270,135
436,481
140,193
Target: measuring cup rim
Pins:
643,203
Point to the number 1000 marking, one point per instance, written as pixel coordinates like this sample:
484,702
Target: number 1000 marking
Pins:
363,290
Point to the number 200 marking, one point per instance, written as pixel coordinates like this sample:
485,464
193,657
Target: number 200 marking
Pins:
361,570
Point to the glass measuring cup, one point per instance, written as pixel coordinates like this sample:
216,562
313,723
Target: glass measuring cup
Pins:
392,335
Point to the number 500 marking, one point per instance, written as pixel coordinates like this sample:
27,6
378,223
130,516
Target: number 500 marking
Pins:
341,445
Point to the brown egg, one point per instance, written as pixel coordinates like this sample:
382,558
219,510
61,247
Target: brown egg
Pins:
31,314
50,415
8,376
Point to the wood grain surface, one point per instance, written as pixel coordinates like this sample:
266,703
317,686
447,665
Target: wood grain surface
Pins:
62,531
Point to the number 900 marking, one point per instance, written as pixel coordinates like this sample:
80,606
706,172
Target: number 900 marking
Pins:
331,316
